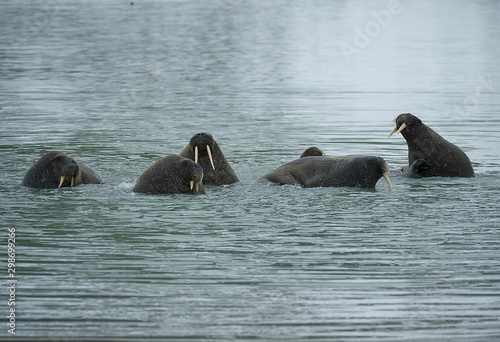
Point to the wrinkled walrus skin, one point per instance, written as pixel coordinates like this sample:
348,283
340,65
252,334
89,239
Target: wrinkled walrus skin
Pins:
434,155
56,169
316,171
171,175
203,150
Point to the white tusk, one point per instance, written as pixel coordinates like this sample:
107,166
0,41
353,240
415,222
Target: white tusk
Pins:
393,131
196,155
403,126
72,181
210,156
197,184
61,181
386,176
191,184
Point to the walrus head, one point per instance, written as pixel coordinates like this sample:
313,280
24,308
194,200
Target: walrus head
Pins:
312,151
193,173
203,144
371,168
171,174
204,151
67,170
405,121
54,170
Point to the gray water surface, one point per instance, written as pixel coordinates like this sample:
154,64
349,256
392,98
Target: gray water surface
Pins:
118,86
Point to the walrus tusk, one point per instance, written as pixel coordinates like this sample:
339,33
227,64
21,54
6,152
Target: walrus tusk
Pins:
195,185
72,181
386,176
61,182
392,132
210,156
195,155
403,126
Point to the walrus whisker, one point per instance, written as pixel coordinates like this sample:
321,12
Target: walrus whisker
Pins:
386,176
196,155
61,182
393,131
210,157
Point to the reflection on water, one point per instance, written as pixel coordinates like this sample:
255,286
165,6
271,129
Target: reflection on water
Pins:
118,86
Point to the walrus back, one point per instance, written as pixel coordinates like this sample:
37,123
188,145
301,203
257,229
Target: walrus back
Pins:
38,177
89,176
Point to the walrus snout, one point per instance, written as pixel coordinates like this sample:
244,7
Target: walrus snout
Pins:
385,174
68,175
380,166
197,174
201,143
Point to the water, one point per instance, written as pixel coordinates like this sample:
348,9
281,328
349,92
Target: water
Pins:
117,86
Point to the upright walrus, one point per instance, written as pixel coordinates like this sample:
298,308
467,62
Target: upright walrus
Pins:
429,154
316,171
203,150
56,169
171,175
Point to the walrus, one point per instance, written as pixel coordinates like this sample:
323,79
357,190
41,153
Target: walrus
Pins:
434,155
171,175
316,171
56,169
203,150
312,151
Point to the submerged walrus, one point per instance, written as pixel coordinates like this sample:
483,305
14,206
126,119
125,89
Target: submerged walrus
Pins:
315,171
171,175
203,150
56,169
429,154
312,151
